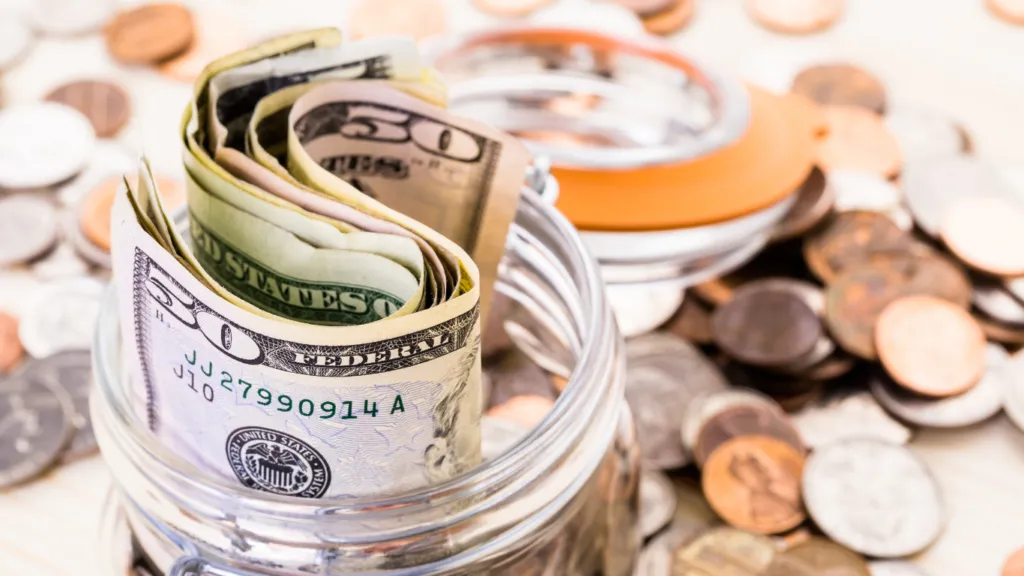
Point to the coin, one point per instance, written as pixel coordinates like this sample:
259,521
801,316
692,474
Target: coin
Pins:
670,20
497,435
706,405
217,33
841,85
514,374
753,483
61,262
106,104
42,144
663,376
766,327
657,502
858,140
15,40
998,332
793,402
930,346
922,133
72,371
997,302
979,403
1013,402
836,365
1014,565
723,551
744,420
61,317
150,33
986,233
70,17
931,185
894,568
526,411
83,247
28,228
646,7
512,8
844,414
852,238
417,18
820,557
864,191
35,417
638,309
872,497
11,351
656,558
692,322
814,201
811,295
1009,10
795,16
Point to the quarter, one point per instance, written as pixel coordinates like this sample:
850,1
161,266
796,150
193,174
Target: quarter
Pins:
42,144
61,317
28,228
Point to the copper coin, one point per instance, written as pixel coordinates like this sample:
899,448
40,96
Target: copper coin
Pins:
795,16
217,33
720,551
1009,10
670,20
820,557
841,85
527,411
1014,565
106,104
94,211
417,18
510,8
858,140
647,7
852,238
987,233
814,201
692,322
150,33
766,327
753,483
11,351
930,345
716,291
744,420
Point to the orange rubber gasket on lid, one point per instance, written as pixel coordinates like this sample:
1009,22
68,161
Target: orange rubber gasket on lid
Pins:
767,163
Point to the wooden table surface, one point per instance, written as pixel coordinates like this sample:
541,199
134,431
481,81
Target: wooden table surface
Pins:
948,55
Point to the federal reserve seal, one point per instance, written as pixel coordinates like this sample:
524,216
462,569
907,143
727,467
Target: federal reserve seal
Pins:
276,462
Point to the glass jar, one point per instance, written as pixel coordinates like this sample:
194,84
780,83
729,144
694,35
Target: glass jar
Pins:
562,501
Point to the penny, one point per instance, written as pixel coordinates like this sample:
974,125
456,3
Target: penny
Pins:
1014,565
821,557
526,411
753,483
514,374
894,568
997,302
15,40
70,17
978,404
766,328
814,201
512,8
217,33
795,16
61,317
663,376
858,140
497,435
94,212
874,498
692,322
670,20
28,228
930,346
42,144
744,420
986,233
705,406
852,238
922,133
106,104
1009,10
657,502
932,185
417,18
723,551
11,351
841,85
150,33
35,418
657,557
845,414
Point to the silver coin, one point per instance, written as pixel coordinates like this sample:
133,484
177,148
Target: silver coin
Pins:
86,249
823,348
894,568
640,309
62,262
15,39
812,295
875,498
42,144
35,424
108,160
514,374
663,375
72,371
656,558
498,435
1016,288
28,228
931,185
864,191
70,17
14,286
846,414
979,403
996,301
922,133
657,502
705,406
61,317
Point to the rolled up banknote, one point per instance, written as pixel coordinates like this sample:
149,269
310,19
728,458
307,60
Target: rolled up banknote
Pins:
316,332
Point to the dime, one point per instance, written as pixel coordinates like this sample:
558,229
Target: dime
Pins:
514,374
922,133
996,301
70,17
72,371
61,317
848,413
35,417
417,18
932,185
656,558
814,201
497,435
753,483
670,20
872,497
692,322
766,327
723,551
663,376
526,411
1009,10
150,33
657,502
858,140
930,346
513,8
975,405
817,556
106,104
850,239
1014,565
42,144
11,351
706,405
986,233
217,33
894,568
28,228
841,85
795,16
744,420
15,40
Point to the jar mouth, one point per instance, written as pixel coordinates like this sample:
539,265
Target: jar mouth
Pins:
550,250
